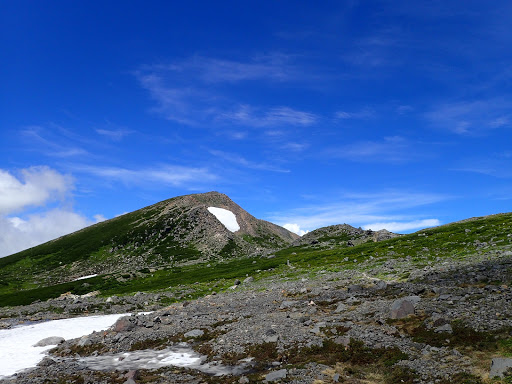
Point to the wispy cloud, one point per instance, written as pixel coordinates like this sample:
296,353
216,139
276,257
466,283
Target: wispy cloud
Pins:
394,149
497,165
258,117
364,113
52,144
275,67
239,160
404,226
199,91
113,134
174,175
360,209
471,117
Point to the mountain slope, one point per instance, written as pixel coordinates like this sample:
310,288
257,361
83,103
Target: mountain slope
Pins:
171,233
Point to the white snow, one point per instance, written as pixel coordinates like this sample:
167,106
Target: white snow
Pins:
85,277
17,352
179,356
226,217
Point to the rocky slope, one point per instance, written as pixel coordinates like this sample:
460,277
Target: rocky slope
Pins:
342,235
176,232
429,307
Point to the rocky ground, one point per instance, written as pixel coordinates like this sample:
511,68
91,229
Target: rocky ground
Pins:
446,323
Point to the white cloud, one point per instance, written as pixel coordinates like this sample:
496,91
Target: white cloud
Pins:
295,228
35,186
398,227
17,234
359,209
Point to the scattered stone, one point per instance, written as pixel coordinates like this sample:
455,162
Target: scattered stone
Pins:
194,333
402,308
287,304
499,366
340,308
380,285
124,324
248,280
52,340
444,328
276,375
355,288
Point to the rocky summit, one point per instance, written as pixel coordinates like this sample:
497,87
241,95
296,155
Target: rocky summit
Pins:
339,305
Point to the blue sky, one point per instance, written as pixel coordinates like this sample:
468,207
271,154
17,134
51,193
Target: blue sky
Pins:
393,114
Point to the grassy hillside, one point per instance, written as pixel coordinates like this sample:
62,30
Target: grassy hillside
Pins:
464,241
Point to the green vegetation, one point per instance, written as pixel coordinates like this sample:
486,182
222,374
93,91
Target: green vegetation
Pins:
22,276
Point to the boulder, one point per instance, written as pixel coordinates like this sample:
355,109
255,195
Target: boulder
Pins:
380,285
123,324
287,304
52,340
355,288
276,375
402,308
194,333
499,366
340,308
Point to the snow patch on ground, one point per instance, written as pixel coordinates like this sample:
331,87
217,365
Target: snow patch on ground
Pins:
85,277
17,352
226,217
179,356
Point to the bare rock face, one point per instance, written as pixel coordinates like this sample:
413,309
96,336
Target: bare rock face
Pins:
210,236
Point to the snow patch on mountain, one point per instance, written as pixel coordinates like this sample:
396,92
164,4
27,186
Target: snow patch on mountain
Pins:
226,217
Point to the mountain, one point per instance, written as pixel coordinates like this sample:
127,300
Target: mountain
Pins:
341,235
175,232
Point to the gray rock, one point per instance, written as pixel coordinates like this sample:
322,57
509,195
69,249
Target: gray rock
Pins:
401,308
343,340
287,304
444,328
123,324
249,279
46,362
52,340
276,375
355,288
270,338
499,366
340,308
380,285
194,333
